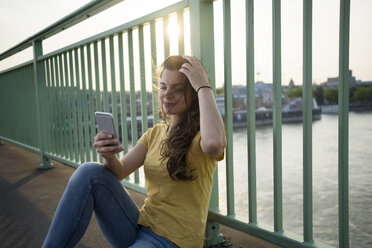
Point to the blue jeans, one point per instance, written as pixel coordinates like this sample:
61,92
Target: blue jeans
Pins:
92,187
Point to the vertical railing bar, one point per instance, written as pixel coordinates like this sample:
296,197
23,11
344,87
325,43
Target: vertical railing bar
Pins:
98,87
202,46
343,125
18,105
24,107
12,108
91,103
4,85
39,80
181,38
144,122
155,103
68,107
53,107
123,95
54,132
78,106
30,119
105,99
96,70
43,106
26,110
31,102
228,108
85,104
14,134
65,106
7,85
58,107
22,104
166,36
49,101
251,114
277,117
6,98
73,105
113,82
62,109
30,110
307,122
133,106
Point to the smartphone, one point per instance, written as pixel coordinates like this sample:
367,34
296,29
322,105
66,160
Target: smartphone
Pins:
105,122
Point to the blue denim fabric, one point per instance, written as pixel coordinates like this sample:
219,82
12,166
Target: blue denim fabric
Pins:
94,188
146,238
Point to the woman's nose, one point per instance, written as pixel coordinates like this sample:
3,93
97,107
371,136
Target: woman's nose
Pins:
168,92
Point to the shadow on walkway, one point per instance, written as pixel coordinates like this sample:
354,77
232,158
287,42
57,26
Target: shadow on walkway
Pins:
29,197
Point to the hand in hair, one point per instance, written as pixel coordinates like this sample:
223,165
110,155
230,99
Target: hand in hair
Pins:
195,72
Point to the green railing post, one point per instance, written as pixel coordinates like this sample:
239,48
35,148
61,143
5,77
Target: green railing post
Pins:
202,46
277,117
251,113
307,122
39,80
343,125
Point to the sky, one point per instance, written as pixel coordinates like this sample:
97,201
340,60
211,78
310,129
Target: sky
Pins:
22,18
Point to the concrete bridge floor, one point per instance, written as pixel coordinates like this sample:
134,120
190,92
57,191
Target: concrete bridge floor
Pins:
29,197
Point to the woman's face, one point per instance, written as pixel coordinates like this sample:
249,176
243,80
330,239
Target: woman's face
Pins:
172,89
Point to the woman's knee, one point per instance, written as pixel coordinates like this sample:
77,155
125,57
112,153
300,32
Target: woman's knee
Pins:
88,170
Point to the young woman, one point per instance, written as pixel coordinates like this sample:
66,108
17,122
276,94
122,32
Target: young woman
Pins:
179,157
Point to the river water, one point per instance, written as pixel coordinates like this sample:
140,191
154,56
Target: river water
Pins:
325,178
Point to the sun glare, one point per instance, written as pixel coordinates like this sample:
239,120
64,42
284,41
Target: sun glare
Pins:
173,30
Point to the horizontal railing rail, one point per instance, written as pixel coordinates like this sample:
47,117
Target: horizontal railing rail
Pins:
49,102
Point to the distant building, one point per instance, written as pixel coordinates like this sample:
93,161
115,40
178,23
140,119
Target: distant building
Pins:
364,83
263,96
332,82
220,100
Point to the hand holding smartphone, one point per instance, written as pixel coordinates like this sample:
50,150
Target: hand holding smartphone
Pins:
106,146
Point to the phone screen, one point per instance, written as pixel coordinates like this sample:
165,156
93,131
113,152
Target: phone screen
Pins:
105,122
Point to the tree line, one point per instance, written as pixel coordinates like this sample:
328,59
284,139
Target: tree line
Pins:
323,95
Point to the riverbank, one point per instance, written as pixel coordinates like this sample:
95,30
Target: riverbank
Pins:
353,107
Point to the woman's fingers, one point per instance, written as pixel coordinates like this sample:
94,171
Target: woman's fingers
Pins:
106,145
105,142
195,72
103,135
110,149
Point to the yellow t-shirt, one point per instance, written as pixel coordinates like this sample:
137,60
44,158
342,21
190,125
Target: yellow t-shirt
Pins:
176,210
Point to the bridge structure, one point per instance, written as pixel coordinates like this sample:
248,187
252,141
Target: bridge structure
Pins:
48,103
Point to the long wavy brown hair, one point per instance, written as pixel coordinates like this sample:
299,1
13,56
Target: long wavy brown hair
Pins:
176,146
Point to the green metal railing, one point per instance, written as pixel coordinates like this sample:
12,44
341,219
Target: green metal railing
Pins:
48,104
